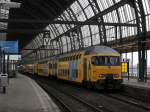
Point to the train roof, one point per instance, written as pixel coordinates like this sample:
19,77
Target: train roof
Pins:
94,50
100,50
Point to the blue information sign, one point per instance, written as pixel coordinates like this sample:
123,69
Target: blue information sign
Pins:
10,47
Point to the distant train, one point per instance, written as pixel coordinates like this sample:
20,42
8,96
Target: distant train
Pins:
97,66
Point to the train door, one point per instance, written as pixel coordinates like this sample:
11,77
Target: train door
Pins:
85,69
89,70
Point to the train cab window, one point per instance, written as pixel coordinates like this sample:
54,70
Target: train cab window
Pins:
106,60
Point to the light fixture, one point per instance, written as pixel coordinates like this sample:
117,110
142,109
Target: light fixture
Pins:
8,5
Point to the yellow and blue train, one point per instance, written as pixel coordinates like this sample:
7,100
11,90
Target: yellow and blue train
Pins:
97,66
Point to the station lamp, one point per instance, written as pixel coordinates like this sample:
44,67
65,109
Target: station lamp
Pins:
7,4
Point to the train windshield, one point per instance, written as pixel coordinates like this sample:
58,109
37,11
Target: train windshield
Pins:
106,60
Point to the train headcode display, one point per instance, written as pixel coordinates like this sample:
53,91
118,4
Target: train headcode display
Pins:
10,47
124,67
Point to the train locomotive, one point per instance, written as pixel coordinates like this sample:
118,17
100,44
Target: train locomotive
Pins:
96,66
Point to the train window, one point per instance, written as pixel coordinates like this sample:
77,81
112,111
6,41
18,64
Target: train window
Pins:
79,55
114,60
106,60
70,58
74,57
67,71
76,73
52,65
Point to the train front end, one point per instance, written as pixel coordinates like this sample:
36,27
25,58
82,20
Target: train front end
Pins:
106,71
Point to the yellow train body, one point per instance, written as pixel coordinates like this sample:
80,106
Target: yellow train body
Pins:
52,71
42,69
78,67
29,68
94,66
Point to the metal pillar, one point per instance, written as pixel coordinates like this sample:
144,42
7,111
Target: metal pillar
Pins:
141,34
132,61
8,65
0,60
4,63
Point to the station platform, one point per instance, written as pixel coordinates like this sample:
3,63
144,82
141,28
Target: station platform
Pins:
136,83
140,90
25,95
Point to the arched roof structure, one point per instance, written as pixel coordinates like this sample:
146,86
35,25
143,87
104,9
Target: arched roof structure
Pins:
46,28
106,22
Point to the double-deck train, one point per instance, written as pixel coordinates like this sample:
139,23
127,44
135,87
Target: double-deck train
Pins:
97,66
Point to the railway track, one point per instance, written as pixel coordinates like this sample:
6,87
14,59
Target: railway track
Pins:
83,101
64,107
53,92
133,97
129,101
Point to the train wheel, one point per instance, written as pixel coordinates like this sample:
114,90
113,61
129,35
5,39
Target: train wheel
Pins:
87,84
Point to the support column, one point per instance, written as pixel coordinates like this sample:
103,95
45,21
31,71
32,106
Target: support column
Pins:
141,34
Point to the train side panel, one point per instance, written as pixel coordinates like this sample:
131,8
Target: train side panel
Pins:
43,69
52,70
70,68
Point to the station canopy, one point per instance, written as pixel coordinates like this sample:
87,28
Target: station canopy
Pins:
75,24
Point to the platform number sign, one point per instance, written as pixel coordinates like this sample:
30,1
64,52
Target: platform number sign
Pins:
46,38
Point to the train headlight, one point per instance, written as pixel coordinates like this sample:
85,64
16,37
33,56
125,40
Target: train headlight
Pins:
102,76
116,75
